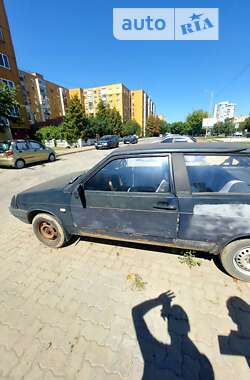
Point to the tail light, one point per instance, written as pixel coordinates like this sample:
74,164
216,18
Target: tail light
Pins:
9,153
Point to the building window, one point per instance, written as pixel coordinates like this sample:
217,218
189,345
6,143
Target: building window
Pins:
1,34
7,82
4,61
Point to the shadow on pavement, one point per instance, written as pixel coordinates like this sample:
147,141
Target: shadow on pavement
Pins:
237,342
179,360
143,246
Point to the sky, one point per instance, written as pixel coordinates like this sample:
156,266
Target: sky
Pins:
71,43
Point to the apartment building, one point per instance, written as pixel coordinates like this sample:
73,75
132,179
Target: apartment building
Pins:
44,100
114,95
141,108
79,93
9,76
224,110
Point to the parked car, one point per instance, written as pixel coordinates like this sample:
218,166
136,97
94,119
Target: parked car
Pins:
248,135
18,153
107,142
238,134
178,139
132,139
192,196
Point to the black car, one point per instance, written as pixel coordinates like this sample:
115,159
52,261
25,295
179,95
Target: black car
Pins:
192,196
132,139
107,142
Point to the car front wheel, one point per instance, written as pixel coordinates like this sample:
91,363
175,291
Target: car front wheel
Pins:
235,259
49,230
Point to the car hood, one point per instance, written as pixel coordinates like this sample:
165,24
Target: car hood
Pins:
50,191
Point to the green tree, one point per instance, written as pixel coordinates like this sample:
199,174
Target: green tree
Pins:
180,128
50,132
102,126
194,121
164,127
153,126
115,121
245,125
131,127
75,121
8,102
228,127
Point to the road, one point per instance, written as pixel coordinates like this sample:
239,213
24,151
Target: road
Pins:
67,314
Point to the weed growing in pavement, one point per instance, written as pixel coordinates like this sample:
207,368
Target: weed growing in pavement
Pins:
137,282
190,260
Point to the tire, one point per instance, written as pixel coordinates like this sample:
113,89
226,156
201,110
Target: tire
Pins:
49,230
19,164
52,157
235,259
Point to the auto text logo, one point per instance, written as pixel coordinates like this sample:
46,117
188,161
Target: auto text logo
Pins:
166,23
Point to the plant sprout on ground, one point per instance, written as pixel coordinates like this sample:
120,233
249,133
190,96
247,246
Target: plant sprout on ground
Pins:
190,260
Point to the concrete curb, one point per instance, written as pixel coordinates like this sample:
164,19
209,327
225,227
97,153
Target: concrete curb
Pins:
74,150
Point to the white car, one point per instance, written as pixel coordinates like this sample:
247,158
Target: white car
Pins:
178,139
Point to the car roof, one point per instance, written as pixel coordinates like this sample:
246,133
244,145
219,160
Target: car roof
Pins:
183,147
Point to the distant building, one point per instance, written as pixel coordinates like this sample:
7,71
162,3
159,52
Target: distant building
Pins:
240,119
224,110
9,76
44,100
134,104
141,108
114,95
162,117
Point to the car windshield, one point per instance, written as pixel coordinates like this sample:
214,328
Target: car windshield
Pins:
4,146
105,138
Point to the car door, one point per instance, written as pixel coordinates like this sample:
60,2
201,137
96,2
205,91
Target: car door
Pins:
24,151
219,190
39,152
131,198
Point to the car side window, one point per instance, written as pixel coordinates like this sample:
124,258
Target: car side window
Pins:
36,145
169,140
218,174
139,174
22,145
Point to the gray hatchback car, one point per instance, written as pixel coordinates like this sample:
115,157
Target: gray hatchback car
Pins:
192,196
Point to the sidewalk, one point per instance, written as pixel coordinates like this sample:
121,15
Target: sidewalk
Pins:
64,151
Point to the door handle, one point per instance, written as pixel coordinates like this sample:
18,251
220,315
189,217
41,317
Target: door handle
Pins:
165,206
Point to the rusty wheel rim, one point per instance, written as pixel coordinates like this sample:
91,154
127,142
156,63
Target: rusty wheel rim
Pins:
48,231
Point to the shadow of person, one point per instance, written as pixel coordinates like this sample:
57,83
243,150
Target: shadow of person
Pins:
237,342
178,360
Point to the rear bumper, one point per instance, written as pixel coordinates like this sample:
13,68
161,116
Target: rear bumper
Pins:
19,214
8,162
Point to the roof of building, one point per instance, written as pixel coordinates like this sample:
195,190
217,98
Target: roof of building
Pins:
183,147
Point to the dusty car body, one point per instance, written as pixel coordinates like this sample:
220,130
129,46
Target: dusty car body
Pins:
192,196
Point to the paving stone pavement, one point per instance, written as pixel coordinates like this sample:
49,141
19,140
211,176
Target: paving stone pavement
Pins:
72,313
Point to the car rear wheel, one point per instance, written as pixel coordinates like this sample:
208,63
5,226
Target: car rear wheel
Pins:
235,259
52,157
19,164
49,230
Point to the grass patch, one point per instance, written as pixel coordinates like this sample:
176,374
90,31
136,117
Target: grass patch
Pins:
137,282
190,260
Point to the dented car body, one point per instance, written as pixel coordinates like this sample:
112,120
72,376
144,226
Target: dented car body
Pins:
193,196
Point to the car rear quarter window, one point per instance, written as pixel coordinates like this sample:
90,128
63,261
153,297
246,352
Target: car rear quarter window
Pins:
22,145
223,174
4,146
139,174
